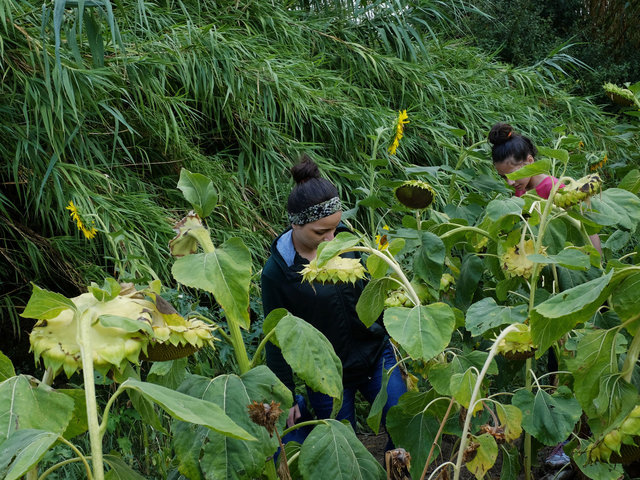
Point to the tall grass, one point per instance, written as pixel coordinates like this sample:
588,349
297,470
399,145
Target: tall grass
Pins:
236,91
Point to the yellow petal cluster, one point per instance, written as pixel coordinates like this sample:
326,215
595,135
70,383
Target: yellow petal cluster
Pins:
515,262
402,121
336,270
55,340
517,342
89,233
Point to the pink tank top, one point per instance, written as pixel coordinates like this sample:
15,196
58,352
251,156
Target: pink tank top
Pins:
543,189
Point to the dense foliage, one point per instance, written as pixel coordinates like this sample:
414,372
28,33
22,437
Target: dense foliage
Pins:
104,105
600,37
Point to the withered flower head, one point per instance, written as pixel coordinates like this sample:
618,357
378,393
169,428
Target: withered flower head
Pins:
495,432
265,414
415,194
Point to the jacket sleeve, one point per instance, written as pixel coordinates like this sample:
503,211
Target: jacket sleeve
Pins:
272,298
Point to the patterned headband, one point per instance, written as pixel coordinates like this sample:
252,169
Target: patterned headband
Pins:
316,212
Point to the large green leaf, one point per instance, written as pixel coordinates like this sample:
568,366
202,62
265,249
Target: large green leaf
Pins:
188,440
332,450
328,250
569,258
119,470
22,450
222,457
595,357
559,314
510,462
621,206
428,262
470,273
631,181
461,386
597,470
189,409
487,314
485,456
24,406
616,398
225,272
371,302
549,418
440,374
423,331
45,305
310,355
79,424
498,208
377,407
199,192
6,368
626,300
414,427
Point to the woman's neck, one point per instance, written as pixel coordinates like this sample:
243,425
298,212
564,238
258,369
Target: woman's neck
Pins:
536,180
302,251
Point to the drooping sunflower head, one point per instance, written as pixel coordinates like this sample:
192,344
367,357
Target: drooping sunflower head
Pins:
515,262
517,344
123,325
415,194
336,270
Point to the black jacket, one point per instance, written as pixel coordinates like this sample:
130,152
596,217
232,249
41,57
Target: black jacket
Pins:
328,307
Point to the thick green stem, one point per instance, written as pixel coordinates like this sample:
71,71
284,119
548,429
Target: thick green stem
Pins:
302,424
476,390
394,266
632,358
263,343
527,437
239,349
79,458
84,320
465,229
235,335
107,408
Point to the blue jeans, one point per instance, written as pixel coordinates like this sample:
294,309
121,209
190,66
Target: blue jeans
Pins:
369,387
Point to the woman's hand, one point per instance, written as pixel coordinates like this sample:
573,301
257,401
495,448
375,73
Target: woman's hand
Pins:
294,415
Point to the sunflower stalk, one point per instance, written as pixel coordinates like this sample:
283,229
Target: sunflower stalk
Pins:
476,390
95,436
395,266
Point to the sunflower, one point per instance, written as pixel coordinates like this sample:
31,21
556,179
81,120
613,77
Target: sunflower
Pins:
382,241
89,233
402,120
415,194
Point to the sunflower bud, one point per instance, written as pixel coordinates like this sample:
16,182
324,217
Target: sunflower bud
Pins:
577,191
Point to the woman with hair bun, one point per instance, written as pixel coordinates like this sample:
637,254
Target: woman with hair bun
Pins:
314,211
510,152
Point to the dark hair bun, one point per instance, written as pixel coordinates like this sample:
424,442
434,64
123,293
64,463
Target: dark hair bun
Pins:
305,170
500,133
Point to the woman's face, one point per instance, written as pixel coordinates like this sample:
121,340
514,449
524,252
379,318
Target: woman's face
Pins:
510,165
310,235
